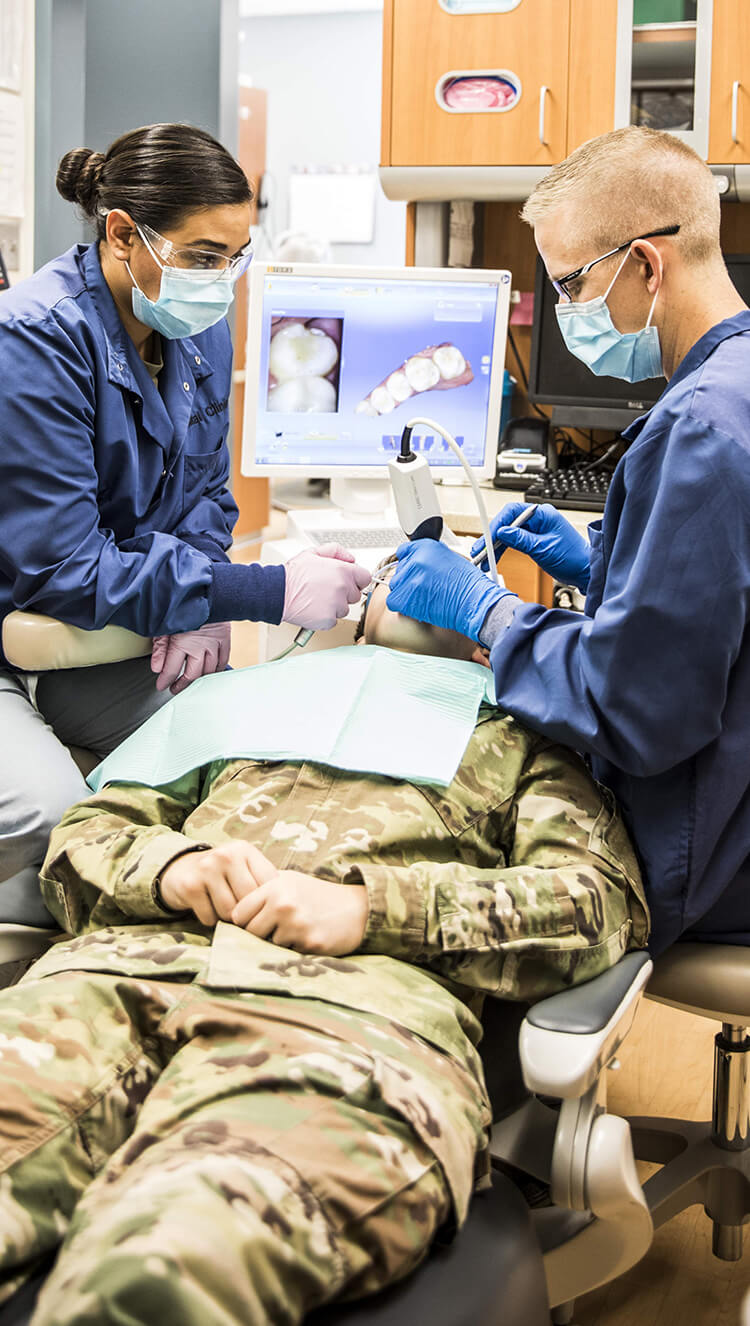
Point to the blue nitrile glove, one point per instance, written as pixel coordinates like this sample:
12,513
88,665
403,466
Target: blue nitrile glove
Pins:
548,538
433,584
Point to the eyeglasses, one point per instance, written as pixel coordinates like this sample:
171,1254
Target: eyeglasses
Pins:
198,260
562,283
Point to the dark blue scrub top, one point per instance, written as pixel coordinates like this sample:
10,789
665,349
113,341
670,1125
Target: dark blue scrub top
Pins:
653,682
113,498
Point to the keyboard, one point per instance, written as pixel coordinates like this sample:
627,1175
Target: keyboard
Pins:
577,488
383,536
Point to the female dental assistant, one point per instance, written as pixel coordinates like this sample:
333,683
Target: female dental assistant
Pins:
115,361
653,681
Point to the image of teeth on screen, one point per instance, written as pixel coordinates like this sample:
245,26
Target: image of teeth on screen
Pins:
344,366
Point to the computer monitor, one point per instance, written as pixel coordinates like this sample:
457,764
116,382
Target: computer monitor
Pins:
340,358
581,398
4,282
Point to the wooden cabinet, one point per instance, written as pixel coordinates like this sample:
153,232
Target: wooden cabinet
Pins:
427,49
582,68
729,132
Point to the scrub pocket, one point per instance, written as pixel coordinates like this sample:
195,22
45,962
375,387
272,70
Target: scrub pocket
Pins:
200,471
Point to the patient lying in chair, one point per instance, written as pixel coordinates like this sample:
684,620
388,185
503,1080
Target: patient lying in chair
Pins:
250,1084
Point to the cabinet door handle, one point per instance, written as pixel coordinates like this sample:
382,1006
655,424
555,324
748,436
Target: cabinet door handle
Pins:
542,106
735,105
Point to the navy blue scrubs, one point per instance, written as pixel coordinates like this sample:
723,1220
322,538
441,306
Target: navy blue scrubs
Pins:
653,682
113,498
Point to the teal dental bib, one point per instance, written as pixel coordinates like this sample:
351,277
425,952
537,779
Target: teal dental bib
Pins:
363,708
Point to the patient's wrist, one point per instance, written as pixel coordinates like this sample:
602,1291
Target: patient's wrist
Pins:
167,883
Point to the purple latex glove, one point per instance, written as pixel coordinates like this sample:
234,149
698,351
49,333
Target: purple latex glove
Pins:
321,583
182,658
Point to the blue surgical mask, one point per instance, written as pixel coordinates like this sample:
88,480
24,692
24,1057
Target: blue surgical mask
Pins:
590,334
187,303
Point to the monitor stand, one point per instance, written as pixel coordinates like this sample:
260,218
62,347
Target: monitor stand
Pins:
361,516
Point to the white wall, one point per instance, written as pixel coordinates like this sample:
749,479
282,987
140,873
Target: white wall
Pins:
323,74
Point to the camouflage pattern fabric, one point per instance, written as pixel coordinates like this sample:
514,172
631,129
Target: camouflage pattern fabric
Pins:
517,880
212,1158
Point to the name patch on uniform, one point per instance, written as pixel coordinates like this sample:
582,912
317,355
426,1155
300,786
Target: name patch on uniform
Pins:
213,408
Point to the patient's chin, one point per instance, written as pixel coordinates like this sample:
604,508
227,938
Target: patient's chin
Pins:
418,638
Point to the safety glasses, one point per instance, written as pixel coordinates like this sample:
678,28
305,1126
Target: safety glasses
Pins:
563,283
198,260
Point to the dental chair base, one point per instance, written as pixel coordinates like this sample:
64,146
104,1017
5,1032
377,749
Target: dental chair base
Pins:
599,1224
706,1162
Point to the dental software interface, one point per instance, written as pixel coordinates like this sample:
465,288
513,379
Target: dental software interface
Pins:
345,362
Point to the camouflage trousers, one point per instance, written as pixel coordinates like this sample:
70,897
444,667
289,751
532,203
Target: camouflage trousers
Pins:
201,1157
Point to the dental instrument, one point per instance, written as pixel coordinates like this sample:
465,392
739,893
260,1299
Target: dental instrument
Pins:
414,493
521,519
299,642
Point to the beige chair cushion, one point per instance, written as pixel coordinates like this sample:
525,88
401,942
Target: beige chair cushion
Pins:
712,980
39,644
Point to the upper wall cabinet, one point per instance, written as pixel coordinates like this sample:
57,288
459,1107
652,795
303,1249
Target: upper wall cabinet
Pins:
524,82
476,82
729,129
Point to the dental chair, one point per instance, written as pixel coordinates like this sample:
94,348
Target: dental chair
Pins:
36,643
510,1266
509,1263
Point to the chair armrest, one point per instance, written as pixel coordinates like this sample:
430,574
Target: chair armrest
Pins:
566,1041
37,643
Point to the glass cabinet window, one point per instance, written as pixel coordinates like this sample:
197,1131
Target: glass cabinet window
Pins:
663,61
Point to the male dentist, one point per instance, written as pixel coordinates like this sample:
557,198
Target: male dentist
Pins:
653,681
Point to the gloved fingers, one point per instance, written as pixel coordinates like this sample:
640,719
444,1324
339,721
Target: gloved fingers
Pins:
407,549
548,520
195,667
225,646
334,550
158,652
174,661
504,517
362,577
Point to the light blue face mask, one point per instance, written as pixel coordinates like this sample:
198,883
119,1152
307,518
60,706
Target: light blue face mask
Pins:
590,334
187,303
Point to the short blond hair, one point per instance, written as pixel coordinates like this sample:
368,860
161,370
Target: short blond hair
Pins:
630,181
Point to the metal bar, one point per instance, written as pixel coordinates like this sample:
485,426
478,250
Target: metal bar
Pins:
735,107
542,104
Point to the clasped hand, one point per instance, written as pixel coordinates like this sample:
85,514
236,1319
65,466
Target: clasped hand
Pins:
237,883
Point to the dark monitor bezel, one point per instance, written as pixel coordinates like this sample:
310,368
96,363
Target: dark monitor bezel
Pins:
4,281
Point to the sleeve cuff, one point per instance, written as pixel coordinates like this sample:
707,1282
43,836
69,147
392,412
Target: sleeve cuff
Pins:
246,593
498,620
136,892
397,916
205,544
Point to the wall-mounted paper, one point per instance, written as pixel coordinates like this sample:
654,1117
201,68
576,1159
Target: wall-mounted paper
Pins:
11,155
337,205
11,44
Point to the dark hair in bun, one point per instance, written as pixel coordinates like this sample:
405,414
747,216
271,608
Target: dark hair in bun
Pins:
78,176
158,175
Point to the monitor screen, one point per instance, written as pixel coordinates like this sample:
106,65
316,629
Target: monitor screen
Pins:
4,282
557,378
339,359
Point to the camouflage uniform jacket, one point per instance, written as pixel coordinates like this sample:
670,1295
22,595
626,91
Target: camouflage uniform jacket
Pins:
516,880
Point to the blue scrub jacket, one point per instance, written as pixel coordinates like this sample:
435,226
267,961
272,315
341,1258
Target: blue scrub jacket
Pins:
653,682
113,498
